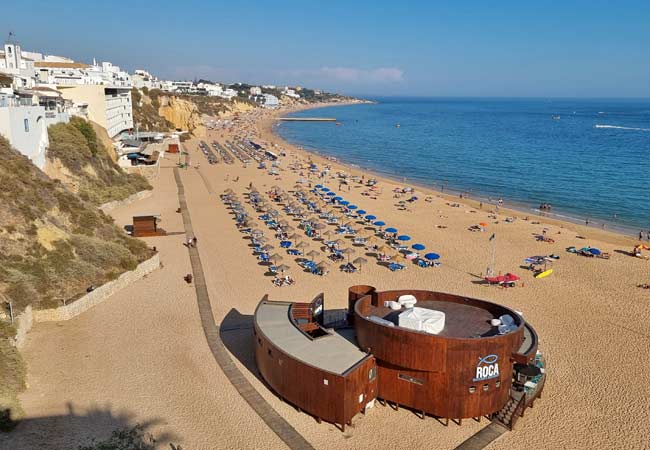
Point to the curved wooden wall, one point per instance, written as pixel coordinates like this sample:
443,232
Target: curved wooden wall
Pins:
332,397
433,373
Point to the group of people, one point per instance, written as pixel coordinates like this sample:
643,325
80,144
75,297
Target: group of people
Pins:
641,235
545,207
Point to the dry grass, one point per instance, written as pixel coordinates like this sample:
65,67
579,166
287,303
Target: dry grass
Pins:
100,180
92,249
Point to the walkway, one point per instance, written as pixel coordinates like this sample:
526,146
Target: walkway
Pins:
274,421
483,438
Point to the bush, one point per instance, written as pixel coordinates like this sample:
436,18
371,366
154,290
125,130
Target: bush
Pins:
99,179
12,378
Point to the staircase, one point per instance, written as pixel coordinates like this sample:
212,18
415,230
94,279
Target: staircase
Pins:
508,415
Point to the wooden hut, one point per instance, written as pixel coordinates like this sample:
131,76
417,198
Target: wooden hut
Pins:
146,225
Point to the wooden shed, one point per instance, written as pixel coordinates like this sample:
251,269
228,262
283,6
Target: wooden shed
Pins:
147,225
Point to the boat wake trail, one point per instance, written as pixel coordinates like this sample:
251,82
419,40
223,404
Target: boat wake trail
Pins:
621,128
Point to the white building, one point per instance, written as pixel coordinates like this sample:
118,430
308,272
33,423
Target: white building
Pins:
211,89
103,91
255,90
142,78
109,106
290,93
24,122
229,93
271,101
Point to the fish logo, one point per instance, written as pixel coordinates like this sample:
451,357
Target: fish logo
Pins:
489,359
487,368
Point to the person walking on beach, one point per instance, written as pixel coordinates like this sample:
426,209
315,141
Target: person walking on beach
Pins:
641,235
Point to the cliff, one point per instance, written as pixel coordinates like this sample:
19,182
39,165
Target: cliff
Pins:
84,161
53,246
183,114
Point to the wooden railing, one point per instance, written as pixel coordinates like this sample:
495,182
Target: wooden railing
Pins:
518,412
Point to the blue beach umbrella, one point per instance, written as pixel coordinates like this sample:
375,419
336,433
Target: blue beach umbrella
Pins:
379,223
352,206
594,251
370,217
338,198
403,237
324,189
418,247
330,194
391,230
361,211
432,256
318,186
344,202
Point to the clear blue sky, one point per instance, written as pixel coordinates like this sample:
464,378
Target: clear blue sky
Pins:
457,48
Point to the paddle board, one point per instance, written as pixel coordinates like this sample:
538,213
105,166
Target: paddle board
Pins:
544,274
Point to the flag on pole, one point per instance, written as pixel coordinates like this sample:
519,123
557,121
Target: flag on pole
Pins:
492,237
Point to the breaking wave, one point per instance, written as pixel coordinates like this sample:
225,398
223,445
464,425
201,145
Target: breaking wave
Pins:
621,128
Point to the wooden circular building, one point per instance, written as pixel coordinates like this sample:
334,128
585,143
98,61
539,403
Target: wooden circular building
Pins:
439,354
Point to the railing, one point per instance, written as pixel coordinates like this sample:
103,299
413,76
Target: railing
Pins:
518,412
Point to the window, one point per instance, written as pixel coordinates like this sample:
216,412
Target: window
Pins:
486,387
498,383
472,389
410,379
372,373
26,125
270,353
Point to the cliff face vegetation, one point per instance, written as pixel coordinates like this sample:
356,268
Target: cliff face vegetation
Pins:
53,244
83,163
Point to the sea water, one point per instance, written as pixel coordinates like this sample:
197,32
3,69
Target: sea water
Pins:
590,159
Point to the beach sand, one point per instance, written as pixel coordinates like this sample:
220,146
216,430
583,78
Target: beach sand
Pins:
141,355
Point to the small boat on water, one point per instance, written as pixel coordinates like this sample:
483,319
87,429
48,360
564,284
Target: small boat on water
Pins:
556,117
397,125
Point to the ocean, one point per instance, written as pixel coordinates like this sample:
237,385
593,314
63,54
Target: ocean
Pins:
589,159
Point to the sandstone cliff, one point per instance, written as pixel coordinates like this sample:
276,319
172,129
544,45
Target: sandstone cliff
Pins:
182,114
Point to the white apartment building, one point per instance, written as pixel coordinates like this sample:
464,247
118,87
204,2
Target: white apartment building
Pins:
256,90
271,101
102,91
109,106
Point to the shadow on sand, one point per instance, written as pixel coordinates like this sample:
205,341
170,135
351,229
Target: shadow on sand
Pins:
75,428
236,331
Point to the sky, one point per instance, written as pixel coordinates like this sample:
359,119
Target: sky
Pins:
569,48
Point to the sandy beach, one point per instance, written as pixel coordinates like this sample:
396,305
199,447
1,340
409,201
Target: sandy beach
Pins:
141,356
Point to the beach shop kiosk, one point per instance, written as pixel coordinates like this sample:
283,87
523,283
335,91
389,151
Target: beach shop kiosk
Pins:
438,354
